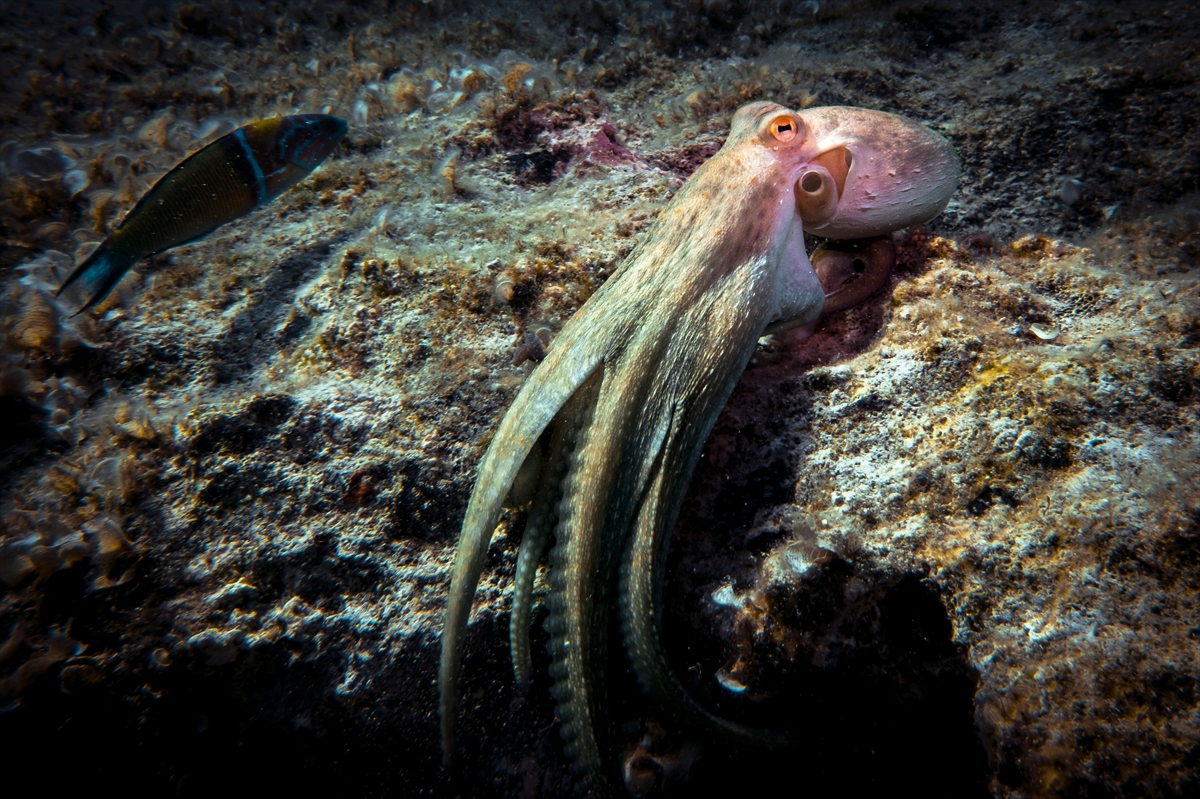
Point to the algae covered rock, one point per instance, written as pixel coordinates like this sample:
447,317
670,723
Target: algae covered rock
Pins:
951,539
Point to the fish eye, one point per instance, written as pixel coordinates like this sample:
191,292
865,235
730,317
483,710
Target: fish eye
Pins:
783,129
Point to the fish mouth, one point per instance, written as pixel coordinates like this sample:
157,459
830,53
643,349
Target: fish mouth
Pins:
339,127
328,133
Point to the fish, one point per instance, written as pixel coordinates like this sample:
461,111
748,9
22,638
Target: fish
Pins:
614,418
217,184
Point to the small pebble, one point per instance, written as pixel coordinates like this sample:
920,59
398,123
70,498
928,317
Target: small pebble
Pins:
1071,191
1043,332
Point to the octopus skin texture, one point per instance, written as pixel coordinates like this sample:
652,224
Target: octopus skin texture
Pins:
608,428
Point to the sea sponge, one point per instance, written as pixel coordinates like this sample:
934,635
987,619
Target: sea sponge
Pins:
470,80
406,91
514,77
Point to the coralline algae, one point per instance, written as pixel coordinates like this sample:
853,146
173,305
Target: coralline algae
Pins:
960,557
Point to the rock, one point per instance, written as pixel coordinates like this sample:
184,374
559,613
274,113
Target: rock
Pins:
945,548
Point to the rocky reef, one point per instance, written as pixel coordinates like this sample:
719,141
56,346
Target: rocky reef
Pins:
952,539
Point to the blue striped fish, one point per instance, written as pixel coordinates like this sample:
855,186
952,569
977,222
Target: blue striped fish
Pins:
232,176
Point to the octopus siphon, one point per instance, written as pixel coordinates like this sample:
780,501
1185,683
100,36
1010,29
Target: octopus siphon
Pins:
608,428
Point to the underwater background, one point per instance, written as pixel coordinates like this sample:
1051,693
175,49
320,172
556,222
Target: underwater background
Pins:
953,539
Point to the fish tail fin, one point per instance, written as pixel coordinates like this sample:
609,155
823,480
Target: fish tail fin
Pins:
98,274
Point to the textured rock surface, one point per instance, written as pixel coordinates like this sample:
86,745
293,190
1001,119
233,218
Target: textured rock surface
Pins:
953,538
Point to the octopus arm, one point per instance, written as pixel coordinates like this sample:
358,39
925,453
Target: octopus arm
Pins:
564,435
640,606
603,328
660,394
543,518
690,407
620,445
582,567
548,390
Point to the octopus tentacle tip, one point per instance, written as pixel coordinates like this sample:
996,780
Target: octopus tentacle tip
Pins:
624,400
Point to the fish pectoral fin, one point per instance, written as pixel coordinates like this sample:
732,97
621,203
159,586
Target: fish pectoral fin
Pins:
548,389
98,274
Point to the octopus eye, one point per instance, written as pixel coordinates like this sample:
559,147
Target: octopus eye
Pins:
784,129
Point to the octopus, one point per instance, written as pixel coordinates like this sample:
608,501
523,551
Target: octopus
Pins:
603,437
